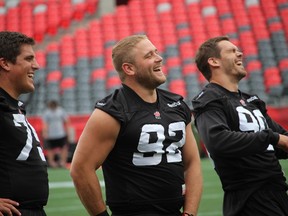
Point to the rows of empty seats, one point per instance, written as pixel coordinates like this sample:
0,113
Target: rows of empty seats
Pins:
78,69
38,18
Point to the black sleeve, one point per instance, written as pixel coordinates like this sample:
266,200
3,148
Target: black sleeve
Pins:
280,153
220,140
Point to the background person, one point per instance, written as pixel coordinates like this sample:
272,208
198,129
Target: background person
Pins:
55,133
142,137
23,169
243,141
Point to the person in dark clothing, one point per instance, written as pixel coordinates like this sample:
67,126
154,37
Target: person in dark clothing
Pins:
142,137
244,143
23,168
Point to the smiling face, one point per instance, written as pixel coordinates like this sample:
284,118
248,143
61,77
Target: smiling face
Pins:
148,65
20,75
231,60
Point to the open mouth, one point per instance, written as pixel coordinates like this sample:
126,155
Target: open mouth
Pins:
239,63
158,69
31,76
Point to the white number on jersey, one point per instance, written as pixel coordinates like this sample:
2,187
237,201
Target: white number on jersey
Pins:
156,150
24,154
252,121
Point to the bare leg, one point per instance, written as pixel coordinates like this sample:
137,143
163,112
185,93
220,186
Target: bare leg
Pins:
50,157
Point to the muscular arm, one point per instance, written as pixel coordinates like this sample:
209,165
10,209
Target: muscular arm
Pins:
193,173
95,143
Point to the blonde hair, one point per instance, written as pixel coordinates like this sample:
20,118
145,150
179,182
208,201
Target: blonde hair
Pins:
122,52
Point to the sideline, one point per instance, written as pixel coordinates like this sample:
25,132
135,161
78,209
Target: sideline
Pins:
67,184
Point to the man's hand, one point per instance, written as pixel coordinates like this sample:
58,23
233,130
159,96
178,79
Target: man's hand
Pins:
7,207
283,142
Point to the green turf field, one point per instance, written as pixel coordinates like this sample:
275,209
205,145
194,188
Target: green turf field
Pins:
63,200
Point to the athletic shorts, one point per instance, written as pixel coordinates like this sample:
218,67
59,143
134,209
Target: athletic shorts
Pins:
55,143
263,202
32,212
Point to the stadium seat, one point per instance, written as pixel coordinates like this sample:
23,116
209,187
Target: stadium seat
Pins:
53,17
26,18
112,83
136,17
178,86
98,84
52,58
81,43
283,11
187,53
257,19
95,40
179,13
40,14
67,50
108,28
12,19
197,29
66,14
3,12
68,71
279,43
122,22
272,77
79,7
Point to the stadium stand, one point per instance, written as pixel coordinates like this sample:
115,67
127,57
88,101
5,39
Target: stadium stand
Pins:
75,41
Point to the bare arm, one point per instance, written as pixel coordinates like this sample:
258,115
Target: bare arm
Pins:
193,173
7,207
95,143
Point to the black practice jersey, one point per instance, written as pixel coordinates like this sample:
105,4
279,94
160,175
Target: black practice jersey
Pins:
240,138
145,168
23,169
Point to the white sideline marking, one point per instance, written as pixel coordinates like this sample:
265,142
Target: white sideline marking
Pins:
66,184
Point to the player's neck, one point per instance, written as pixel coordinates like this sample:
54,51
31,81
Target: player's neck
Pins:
148,95
230,86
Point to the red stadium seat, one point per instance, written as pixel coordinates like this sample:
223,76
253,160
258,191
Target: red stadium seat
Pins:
41,58
272,77
39,16
95,39
81,43
99,73
26,18
189,69
122,22
53,17
259,26
12,19
54,76
67,51
178,86
67,82
66,13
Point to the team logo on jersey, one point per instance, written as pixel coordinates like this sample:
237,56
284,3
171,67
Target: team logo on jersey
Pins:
157,115
101,104
242,102
174,104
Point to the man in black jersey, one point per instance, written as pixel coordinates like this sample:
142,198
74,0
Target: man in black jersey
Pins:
242,140
142,137
23,169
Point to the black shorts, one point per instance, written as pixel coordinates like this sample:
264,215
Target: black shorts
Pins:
32,212
55,143
263,202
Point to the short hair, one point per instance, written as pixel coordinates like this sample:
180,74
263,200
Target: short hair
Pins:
122,52
10,44
207,50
